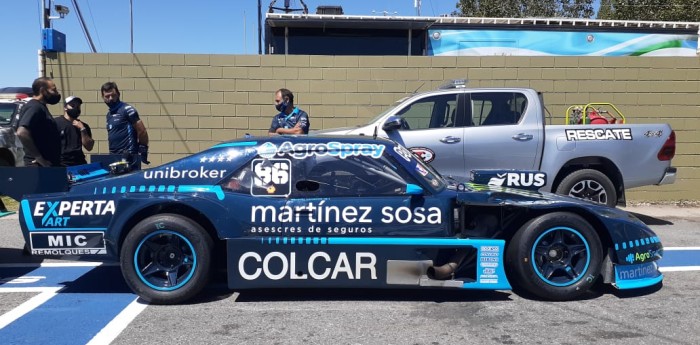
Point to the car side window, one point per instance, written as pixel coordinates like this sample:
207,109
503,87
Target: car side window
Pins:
431,112
323,176
497,108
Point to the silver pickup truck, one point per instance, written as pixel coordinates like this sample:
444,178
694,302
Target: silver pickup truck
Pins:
459,129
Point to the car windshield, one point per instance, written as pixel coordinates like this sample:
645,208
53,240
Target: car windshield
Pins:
392,107
6,112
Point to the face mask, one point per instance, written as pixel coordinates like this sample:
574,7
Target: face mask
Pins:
73,113
52,98
112,103
281,107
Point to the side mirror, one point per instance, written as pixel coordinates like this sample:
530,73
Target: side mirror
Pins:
412,189
392,123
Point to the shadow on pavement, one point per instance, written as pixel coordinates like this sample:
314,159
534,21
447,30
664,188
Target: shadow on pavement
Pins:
17,256
649,220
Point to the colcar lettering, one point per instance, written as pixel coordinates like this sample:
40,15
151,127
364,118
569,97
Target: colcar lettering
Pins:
319,266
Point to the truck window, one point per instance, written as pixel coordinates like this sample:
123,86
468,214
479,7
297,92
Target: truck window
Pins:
431,112
497,108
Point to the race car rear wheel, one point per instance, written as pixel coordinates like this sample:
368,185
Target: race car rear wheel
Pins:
556,256
589,184
165,259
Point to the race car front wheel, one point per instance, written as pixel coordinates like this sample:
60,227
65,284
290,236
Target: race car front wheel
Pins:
165,259
556,256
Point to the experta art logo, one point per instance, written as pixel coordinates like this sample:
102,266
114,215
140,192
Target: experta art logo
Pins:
58,213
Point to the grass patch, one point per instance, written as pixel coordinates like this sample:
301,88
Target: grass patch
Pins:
11,204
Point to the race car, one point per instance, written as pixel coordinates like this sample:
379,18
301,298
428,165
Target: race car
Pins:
326,212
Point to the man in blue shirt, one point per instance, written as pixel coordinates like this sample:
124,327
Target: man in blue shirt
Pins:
290,120
126,132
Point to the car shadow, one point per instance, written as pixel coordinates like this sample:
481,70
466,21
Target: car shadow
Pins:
649,220
18,256
348,294
623,294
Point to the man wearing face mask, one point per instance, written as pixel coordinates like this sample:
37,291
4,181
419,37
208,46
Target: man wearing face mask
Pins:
126,132
290,120
36,128
75,134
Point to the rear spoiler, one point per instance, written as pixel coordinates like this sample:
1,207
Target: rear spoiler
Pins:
522,179
16,182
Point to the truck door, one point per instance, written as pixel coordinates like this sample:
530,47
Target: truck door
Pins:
434,130
499,134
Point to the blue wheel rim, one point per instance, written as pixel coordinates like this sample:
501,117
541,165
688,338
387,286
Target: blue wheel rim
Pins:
560,256
165,260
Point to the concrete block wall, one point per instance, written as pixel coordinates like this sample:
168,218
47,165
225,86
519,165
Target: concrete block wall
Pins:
191,102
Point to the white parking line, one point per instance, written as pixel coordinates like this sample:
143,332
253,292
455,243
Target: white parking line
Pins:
681,248
679,268
118,324
14,314
60,264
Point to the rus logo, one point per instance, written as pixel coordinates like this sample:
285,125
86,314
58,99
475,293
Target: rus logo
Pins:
518,180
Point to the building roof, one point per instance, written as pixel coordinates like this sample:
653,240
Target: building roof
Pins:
409,22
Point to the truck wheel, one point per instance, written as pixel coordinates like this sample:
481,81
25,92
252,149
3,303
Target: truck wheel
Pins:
4,163
591,185
556,256
165,259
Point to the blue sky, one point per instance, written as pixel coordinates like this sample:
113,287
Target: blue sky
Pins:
160,26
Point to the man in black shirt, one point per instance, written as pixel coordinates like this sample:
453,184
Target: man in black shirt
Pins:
36,128
75,134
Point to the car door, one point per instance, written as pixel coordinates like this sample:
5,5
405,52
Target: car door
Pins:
498,135
362,196
256,195
434,130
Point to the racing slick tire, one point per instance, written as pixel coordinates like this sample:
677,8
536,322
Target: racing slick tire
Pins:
166,258
591,185
556,256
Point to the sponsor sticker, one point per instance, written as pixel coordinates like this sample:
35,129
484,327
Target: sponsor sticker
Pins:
425,154
333,148
67,243
403,152
172,173
316,266
321,213
633,272
59,213
421,170
273,177
514,179
267,150
599,134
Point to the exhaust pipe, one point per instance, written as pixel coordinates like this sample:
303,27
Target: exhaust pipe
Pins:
447,270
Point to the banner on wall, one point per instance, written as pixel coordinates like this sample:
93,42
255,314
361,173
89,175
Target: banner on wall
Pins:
451,42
